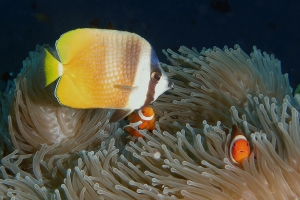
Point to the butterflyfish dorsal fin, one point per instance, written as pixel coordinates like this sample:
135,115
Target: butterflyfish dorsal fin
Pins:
74,42
119,115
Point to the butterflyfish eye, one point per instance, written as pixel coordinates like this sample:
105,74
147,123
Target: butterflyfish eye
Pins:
156,76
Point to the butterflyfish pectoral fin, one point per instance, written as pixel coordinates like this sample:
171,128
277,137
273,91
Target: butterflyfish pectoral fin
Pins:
52,68
119,115
68,94
126,87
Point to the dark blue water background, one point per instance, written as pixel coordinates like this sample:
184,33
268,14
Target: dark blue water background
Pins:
273,26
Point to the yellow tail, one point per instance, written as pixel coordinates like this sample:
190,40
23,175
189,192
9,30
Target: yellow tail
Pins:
52,68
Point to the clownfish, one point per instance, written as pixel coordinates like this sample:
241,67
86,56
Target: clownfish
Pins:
98,68
239,148
141,119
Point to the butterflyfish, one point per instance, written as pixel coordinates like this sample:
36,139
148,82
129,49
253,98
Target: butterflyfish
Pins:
98,68
239,148
141,119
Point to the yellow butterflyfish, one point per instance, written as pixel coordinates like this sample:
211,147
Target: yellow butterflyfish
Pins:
100,68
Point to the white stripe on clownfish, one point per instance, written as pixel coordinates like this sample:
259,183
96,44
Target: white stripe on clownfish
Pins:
143,116
135,125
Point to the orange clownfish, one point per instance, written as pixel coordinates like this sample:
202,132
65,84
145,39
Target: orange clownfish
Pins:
142,119
239,148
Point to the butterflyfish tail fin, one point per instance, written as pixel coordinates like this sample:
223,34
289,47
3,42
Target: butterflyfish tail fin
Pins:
52,68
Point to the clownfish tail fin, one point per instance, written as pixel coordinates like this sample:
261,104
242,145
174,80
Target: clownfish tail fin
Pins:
52,68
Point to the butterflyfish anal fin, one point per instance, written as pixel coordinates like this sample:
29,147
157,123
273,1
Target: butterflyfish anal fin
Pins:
68,94
119,115
51,68
71,43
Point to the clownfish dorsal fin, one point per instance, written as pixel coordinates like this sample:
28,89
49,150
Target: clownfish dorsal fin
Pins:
119,115
235,131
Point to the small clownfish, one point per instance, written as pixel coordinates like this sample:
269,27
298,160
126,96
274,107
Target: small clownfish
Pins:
239,148
100,68
142,119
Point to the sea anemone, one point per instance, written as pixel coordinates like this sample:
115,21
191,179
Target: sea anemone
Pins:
54,152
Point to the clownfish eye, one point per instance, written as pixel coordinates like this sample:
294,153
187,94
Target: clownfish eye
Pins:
156,76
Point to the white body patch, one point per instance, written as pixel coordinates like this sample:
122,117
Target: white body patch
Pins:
162,86
143,75
236,138
142,79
